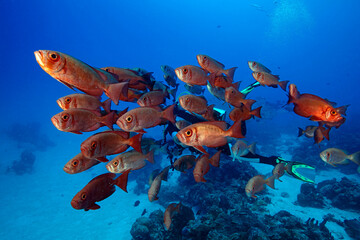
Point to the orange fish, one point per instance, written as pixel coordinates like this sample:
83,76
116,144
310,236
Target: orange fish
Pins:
184,162
156,184
270,80
136,80
169,213
152,98
78,120
132,160
98,189
279,171
236,98
109,143
223,81
75,73
257,184
321,133
258,67
144,117
314,107
192,75
195,104
209,134
214,66
202,166
79,163
243,113
83,101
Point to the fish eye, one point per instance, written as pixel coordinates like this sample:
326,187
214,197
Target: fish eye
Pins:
106,69
54,56
75,163
187,99
232,92
254,64
93,145
65,117
188,133
144,98
83,196
333,112
258,74
205,58
185,70
67,100
129,119
115,163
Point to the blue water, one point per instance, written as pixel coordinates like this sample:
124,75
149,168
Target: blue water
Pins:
314,44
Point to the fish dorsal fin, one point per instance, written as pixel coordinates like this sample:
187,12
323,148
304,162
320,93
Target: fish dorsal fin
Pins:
66,84
121,133
333,104
220,124
100,72
222,65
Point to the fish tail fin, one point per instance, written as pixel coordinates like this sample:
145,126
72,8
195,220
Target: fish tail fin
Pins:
256,112
107,105
165,173
248,103
214,160
293,93
270,181
342,109
235,130
252,148
230,72
169,114
236,85
300,132
115,90
135,142
355,157
108,120
122,180
283,85
150,156
326,133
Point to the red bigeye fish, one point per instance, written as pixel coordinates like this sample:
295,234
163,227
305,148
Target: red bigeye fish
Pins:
258,67
223,82
209,134
169,213
243,113
108,143
195,104
184,162
314,107
267,79
98,189
79,163
132,160
192,75
135,79
202,166
78,120
153,98
214,66
156,184
335,156
236,98
257,184
77,74
83,101
144,117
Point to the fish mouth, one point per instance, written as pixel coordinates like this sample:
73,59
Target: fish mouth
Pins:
67,170
178,73
60,104
55,121
39,57
120,124
75,204
180,137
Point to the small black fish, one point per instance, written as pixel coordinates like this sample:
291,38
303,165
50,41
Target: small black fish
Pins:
136,203
144,212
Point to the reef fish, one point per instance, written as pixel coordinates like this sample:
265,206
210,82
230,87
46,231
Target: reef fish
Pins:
258,67
202,166
75,73
98,189
195,104
78,120
243,113
144,117
184,162
192,75
314,107
132,160
335,156
152,98
169,213
108,143
308,132
198,90
134,78
79,163
210,134
156,184
83,101
214,66
279,170
241,148
257,184
169,75
267,79
236,98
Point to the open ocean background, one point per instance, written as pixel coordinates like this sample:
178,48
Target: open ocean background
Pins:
314,44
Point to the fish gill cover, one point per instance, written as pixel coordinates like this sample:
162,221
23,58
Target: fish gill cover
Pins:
171,103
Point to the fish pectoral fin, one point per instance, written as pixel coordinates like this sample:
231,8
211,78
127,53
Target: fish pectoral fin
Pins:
141,131
201,149
66,84
94,207
314,118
